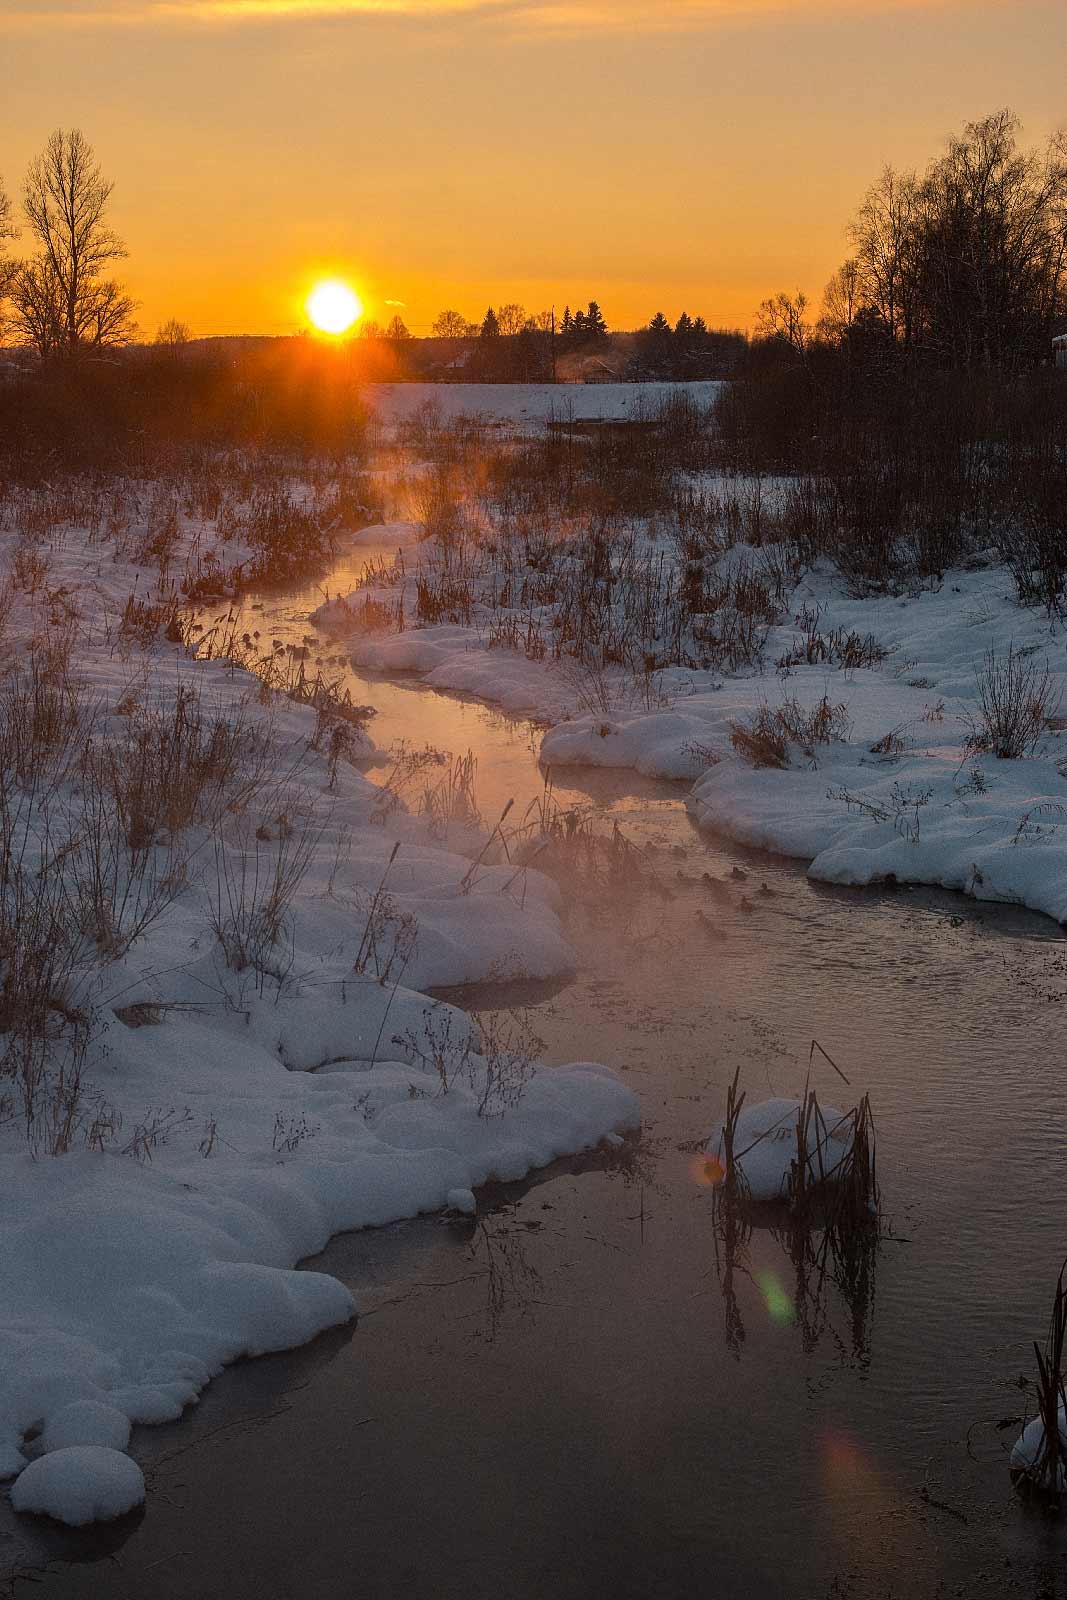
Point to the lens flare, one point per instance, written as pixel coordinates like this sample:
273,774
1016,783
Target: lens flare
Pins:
779,1305
333,307
708,1171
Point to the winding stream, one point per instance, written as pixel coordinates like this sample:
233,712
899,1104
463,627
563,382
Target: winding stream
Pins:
560,1398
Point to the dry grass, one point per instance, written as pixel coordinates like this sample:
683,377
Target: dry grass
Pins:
765,741
1016,700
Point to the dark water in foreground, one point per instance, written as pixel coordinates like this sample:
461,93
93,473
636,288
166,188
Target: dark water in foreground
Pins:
560,1398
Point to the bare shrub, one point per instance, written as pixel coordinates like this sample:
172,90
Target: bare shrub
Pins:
44,717
175,765
288,540
46,1017
408,767
1016,699
839,647
496,1060
765,741
451,803
390,936
438,507
258,872
901,808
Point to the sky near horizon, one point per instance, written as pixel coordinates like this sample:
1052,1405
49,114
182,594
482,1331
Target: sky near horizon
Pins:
656,154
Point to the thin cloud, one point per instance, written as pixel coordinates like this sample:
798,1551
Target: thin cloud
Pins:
397,303
526,16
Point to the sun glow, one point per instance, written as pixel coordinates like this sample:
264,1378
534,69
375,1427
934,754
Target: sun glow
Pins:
333,307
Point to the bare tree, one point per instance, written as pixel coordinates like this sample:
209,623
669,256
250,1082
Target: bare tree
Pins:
451,325
397,329
37,306
782,317
841,301
511,318
173,333
885,234
968,264
63,299
7,268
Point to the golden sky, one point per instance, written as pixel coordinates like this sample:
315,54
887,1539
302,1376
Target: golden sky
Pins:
656,154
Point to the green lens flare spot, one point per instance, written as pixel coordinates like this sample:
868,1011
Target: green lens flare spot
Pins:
778,1302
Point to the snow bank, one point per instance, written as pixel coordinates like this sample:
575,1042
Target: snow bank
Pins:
900,796
765,1145
247,1095
84,1484
127,1287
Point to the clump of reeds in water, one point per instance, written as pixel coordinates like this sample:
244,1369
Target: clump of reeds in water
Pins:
843,1191
573,845
832,1175
1039,1459
824,1214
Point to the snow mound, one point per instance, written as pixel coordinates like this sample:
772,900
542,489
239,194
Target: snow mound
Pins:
86,1422
462,1200
1028,1448
12,1461
83,1484
765,1144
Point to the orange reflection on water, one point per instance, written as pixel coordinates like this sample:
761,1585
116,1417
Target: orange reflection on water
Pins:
708,1171
856,1497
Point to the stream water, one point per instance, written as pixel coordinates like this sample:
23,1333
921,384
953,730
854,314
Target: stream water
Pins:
578,1393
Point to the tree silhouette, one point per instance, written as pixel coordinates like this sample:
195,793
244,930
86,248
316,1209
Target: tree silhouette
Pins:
510,318
61,297
595,326
7,231
450,325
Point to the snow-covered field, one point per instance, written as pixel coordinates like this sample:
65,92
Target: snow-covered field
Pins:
530,402
217,1053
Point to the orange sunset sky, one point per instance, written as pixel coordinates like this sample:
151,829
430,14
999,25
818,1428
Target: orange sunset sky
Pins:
675,154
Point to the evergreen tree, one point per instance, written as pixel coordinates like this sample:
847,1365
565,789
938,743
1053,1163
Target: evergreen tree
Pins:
683,329
566,327
656,347
490,325
595,326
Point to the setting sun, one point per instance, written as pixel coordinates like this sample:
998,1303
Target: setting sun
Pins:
333,307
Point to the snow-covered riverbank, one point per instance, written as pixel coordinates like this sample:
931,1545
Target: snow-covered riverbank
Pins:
217,1051
902,789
